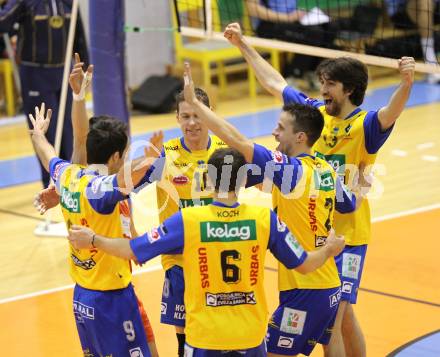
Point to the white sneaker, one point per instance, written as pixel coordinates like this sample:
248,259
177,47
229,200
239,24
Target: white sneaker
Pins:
433,78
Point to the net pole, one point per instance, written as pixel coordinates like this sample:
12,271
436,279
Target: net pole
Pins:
67,62
11,57
208,18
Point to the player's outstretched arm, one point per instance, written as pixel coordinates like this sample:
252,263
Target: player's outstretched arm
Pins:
268,77
79,82
132,172
389,114
334,245
223,129
84,238
46,199
45,151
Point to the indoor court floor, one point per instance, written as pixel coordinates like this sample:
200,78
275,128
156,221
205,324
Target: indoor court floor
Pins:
399,300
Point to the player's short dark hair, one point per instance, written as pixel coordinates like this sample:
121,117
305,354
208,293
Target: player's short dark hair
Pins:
106,136
224,169
200,95
352,73
307,119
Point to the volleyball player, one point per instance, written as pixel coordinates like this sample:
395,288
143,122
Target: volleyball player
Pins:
104,303
79,82
223,247
350,140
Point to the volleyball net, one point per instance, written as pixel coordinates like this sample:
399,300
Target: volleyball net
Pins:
375,32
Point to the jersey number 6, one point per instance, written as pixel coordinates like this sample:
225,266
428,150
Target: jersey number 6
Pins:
230,272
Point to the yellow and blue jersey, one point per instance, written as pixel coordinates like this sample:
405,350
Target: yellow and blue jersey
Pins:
305,195
223,250
181,181
91,200
347,144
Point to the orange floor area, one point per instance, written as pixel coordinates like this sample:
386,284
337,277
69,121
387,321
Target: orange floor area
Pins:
399,300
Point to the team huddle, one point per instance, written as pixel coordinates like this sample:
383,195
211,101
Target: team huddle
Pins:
213,247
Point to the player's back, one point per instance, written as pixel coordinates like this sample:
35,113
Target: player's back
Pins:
308,212
81,192
223,262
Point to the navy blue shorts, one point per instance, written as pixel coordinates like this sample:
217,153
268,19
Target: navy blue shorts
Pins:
109,322
172,306
304,318
350,265
259,351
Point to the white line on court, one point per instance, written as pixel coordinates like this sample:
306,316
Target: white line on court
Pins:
399,153
406,213
159,267
430,158
425,146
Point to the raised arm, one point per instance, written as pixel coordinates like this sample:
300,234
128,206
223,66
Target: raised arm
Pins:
45,151
388,115
268,77
223,129
132,172
79,81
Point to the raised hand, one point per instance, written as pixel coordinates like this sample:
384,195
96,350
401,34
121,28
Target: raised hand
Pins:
78,79
188,89
41,120
406,68
233,33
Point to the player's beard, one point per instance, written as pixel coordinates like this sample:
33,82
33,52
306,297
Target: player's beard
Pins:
333,109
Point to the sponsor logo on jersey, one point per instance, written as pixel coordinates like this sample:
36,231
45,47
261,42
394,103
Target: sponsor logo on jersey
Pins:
347,287
285,342
351,265
213,231
337,161
172,148
334,298
228,213
70,200
153,235
82,311
163,308
294,244
277,157
324,181
180,180
136,352
293,321
231,299
83,264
